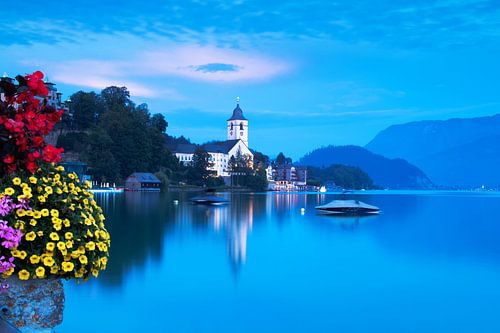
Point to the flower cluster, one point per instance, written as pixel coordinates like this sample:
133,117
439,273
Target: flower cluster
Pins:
63,233
10,239
25,118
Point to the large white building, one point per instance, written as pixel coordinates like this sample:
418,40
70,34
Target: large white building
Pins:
221,151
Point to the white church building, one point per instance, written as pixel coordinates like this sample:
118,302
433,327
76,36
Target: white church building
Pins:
221,151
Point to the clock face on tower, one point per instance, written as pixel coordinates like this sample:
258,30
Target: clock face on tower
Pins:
241,133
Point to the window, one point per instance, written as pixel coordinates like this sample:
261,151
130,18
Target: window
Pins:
241,126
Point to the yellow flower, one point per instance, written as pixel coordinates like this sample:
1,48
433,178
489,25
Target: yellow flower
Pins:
48,261
9,191
90,246
95,272
54,236
37,214
61,245
54,213
24,275
57,226
75,254
26,190
33,180
60,168
33,222
41,198
71,175
30,236
83,259
34,259
40,272
81,250
39,233
67,266
104,261
17,181
45,212
22,254
66,223
48,189
54,269
15,253
102,247
68,235
78,275
50,246
69,244
20,212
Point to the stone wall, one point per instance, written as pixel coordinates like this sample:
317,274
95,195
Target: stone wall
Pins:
33,305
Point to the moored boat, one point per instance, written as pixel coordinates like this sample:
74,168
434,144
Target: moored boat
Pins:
209,200
348,207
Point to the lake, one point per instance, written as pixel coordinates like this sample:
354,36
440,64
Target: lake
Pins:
430,262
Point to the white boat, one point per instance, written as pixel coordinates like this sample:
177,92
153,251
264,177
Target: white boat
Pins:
209,200
348,207
107,190
322,189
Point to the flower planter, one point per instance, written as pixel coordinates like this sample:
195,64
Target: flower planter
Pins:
33,305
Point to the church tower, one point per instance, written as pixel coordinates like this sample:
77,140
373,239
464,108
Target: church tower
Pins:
237,125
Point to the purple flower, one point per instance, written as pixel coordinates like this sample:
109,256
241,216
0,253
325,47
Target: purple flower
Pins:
6,205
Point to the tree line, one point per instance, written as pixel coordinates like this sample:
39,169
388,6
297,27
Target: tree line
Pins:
116,137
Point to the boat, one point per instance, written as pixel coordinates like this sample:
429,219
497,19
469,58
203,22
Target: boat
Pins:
322,189
209,200
348,207
107,190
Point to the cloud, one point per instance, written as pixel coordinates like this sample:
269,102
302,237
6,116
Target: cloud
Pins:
211,63
217,67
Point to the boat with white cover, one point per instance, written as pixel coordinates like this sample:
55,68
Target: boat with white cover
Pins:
348,207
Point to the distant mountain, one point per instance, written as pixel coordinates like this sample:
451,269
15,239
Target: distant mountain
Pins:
454,152
388,173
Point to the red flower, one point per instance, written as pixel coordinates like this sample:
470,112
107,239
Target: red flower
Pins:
37,141
52,154
9,159
36,84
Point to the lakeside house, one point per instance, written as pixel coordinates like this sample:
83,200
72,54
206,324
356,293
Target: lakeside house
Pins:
286,178
142,181
221,151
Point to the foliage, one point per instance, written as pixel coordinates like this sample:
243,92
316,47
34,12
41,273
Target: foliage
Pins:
125,138
51,226
243,174
87,108
344,176
282,160
198,172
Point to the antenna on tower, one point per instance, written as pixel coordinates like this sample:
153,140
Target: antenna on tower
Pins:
238,100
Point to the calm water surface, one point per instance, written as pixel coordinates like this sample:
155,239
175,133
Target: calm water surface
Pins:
429,263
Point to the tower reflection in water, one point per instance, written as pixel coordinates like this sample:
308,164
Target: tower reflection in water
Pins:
234,221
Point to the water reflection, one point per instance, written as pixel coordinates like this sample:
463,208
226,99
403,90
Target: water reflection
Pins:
143,224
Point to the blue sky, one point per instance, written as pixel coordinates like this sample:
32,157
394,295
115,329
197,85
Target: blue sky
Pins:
309,73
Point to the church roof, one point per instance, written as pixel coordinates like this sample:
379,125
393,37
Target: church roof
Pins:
182,148
237,114
220,146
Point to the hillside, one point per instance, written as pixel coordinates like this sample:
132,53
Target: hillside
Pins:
454,152
387,173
